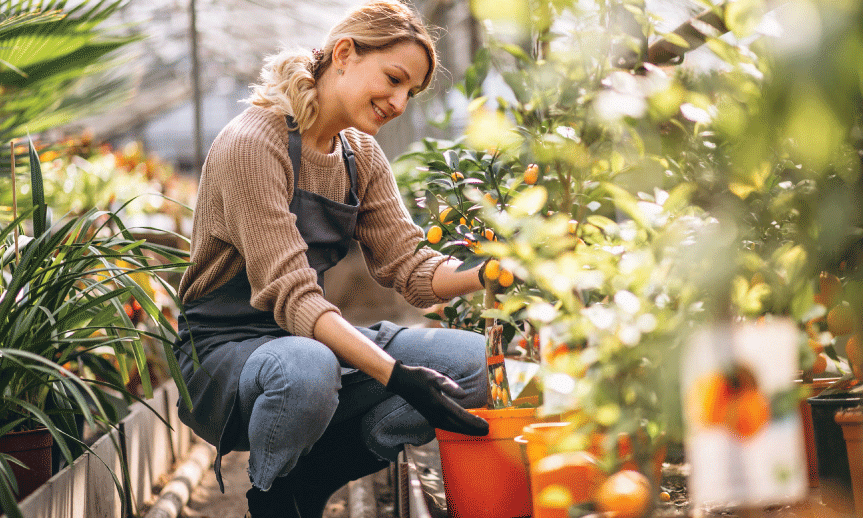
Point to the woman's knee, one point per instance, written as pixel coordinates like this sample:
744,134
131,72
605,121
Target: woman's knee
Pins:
457,353
305,368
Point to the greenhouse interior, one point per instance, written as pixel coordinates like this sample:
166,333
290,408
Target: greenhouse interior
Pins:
462,259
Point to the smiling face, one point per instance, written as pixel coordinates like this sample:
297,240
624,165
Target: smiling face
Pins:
375,87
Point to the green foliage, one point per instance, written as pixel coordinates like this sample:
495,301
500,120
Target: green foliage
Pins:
666,198
47,54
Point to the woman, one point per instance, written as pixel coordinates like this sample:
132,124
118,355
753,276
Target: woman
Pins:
285,187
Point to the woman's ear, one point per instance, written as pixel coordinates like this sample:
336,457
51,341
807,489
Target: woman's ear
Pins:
342,52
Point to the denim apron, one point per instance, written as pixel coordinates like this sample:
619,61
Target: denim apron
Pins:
226,329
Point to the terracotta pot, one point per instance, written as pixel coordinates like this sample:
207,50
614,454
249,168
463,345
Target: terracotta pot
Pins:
485,477
812,389
33,448
851,421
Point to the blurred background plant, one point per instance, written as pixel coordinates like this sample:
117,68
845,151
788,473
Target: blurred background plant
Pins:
79,174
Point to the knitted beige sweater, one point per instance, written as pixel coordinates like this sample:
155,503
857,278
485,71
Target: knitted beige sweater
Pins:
242,219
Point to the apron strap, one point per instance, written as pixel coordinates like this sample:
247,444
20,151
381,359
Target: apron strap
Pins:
350,160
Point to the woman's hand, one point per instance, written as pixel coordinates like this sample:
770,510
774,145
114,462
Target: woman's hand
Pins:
431,393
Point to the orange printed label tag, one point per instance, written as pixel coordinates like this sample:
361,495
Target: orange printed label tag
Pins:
494,360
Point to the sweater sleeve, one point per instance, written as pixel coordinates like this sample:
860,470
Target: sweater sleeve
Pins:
255,180
387,234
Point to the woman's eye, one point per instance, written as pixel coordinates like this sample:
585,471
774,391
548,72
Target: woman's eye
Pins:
394,80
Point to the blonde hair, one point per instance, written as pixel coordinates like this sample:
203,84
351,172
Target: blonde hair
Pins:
288,78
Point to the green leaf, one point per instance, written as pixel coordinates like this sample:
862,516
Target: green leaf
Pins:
516,52
432,204
40,216
451,158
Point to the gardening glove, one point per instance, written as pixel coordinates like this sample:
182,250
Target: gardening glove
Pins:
429,392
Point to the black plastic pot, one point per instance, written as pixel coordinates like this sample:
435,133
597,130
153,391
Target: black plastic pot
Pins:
834,475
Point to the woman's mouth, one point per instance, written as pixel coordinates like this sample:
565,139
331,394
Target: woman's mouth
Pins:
379,113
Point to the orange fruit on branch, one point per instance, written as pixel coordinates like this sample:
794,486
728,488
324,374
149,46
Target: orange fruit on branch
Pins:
434,235
492,269
444,213
820,364
531,174
840,320
830,288
505,278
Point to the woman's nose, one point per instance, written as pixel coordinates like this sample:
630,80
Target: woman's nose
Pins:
399,102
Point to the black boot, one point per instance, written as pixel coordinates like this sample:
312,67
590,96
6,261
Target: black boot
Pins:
278,502
338,457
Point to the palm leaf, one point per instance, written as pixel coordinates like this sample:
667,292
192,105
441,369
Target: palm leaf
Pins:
45,56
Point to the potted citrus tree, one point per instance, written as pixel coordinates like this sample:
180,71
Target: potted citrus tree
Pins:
632,203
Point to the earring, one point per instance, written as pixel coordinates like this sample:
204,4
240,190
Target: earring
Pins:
339,71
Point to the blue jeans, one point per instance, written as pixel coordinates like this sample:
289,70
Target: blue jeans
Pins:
292,388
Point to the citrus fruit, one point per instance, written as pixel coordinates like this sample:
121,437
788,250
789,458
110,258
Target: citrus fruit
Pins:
489,198
456,176
492,269
624,445
505,278
434,235
830,287
820,364
625,494
531,174
571,226
840,320
444,213
489,234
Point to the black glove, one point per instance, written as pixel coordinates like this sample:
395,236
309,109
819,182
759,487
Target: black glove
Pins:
429,393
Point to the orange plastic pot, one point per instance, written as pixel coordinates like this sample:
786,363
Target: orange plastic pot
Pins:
540,438
485,477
